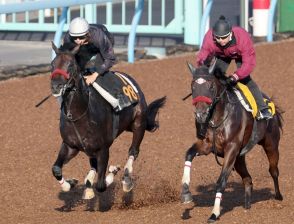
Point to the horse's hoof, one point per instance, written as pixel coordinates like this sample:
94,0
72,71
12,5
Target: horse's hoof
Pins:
101,187
212,218
279,197
128,184
88,194
73,182
186,198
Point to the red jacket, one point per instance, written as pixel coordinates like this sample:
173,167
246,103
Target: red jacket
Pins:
242,50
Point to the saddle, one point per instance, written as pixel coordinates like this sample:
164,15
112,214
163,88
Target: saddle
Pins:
120,87
248,102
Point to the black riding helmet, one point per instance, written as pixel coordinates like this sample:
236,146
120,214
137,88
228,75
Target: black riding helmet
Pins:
222,27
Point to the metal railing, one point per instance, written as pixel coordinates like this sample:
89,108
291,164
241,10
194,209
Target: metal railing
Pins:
33,16
157,18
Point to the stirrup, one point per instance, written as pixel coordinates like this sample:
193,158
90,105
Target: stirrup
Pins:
266,115
118,108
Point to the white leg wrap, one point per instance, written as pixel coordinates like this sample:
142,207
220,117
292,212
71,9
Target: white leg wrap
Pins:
90,176
129,164
109,179
216,208
186,175
109,98
112,172
65,186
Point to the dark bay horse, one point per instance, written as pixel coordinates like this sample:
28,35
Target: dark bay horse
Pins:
224,127
89,124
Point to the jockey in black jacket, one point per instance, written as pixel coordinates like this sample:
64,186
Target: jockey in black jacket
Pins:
95,41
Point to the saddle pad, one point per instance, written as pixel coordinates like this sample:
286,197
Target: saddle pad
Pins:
119,86
248,102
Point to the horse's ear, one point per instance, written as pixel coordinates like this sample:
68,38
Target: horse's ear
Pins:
54,47
75,50
191,68
219,74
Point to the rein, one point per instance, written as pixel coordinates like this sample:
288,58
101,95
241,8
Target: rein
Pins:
208,123
214,127
69,115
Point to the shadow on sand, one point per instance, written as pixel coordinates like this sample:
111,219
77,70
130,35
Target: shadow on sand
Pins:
233,197
101,202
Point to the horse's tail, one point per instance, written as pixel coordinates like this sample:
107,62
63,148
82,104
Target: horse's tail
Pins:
280,118
152,111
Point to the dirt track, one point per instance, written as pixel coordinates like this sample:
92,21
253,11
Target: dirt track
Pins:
30,140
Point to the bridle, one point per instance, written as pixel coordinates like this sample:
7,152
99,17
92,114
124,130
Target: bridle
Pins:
213,101
67,86
68,90
202,127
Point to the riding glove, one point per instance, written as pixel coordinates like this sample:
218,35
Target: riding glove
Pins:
232,80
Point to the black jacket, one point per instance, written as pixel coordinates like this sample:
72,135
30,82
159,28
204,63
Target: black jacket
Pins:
100,44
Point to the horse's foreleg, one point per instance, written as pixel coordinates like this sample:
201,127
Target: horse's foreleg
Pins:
110,176
186,195
66,153
240,166
89,180
102,159
229,161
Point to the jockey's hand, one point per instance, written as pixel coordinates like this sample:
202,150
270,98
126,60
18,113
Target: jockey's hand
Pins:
232,80
90,79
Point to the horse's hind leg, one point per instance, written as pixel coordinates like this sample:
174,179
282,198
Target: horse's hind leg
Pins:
66,153
138,130
241,168
271,147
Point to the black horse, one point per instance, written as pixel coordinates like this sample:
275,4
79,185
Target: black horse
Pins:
226,129
89,124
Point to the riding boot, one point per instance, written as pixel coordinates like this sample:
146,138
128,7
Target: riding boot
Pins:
263,108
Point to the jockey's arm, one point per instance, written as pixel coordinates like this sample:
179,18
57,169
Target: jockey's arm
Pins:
206,50
248,59
90,79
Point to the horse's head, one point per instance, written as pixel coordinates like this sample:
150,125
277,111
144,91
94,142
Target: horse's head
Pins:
204,90
64,71
207,89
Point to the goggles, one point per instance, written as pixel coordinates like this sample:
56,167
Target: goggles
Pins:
222,37
79,37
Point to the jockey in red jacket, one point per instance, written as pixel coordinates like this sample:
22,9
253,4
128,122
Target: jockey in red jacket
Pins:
227,44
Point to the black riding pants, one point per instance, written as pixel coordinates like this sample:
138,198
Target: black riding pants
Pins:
223,64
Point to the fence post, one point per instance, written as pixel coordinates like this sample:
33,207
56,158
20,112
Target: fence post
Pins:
260,17
204,18
271,17
244,14
193,12
132,35
58,34
90,13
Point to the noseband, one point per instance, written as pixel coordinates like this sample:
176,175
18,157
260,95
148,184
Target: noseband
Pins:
59,71
201,79
66,76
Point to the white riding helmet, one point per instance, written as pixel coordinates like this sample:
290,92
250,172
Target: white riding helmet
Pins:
78,27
